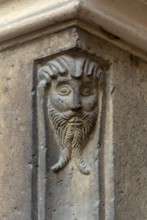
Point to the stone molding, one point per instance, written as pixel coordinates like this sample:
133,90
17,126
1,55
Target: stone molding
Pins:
119,21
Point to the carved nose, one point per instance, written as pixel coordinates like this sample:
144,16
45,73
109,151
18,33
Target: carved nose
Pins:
76,102
76,107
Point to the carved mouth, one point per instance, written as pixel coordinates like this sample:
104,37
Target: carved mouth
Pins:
75,121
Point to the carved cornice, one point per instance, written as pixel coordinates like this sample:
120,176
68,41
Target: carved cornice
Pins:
119,21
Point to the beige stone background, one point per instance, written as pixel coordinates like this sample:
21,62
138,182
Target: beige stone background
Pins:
130,140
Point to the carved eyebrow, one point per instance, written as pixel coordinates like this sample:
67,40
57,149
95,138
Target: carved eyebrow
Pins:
63,80
87,82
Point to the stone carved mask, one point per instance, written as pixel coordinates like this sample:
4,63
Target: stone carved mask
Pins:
72,105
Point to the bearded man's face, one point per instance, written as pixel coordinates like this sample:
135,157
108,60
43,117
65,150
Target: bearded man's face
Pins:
72,108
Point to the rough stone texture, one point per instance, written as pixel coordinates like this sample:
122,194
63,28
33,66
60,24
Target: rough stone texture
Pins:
130,139
129,93
15,136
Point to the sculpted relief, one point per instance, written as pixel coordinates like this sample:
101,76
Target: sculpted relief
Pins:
72,104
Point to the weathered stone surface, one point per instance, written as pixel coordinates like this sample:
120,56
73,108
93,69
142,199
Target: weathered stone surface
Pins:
130,138
15,138
124,130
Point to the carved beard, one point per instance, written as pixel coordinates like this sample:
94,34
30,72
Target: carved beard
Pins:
72,129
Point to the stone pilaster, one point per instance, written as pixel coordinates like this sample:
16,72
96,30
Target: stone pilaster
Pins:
73,103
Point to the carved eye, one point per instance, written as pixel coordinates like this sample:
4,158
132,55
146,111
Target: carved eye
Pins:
87,91
64,90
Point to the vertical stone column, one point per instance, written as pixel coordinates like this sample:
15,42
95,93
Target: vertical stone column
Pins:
72,111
